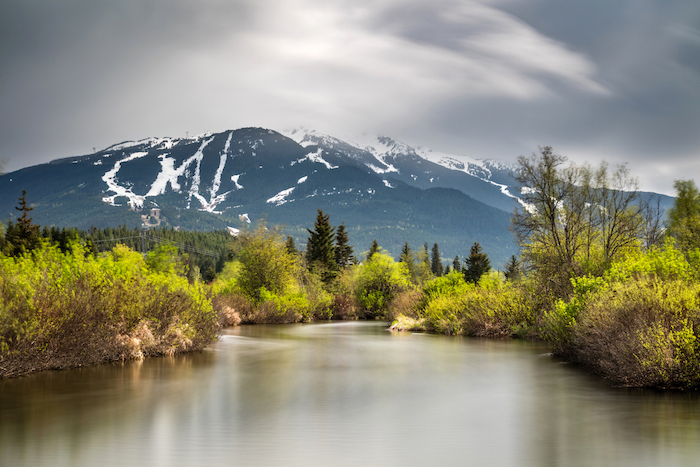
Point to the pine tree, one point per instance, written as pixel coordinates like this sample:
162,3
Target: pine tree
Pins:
22,236
477,264
456,264
407,258
343,250
320,249
512,269
373,249
435,264
291,246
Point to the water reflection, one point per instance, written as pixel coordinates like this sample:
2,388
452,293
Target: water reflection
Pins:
343,394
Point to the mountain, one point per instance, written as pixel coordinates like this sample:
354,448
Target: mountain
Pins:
379,188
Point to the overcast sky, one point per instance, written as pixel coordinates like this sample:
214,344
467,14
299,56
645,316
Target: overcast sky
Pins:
596,79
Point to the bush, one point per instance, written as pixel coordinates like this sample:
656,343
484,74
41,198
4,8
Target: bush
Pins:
641,332
638,324
67,309
377,281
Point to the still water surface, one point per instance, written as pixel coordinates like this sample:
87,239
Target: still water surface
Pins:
337,394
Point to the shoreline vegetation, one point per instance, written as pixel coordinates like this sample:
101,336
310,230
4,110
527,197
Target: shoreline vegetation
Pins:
600,277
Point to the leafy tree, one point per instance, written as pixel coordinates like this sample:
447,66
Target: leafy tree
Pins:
476,265
320,249
343,250
265,263
374,248
574,219
683,220
435,264
23,235
512,271
378,280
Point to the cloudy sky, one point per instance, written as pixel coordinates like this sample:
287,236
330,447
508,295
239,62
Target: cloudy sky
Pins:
596,79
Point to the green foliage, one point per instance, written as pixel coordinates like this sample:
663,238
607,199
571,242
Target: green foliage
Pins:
476,265
374,248
291,247
435,263
22,236
377,281
636,324
320,249
63,309
284,308
512,271
576,220
343,251
163,259
450,286
683,219
265,264
499,309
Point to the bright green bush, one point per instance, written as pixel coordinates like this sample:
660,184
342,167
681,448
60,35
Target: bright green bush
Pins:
377,281
65,309
265,264
641,332
638,323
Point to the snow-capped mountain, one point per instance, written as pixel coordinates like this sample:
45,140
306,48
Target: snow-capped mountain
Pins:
380,188
488,181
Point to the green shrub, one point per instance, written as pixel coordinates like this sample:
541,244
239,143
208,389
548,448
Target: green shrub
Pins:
377,281
67,309
641,332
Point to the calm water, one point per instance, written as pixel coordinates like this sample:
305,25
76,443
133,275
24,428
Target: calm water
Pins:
343,394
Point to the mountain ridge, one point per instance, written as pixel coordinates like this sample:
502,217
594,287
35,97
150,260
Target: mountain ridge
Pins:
380,188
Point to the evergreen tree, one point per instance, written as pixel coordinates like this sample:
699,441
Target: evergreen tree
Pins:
291,246
320,249
512,269
343,250
373,249
477,264
407,258
22,236
456,264
426,257
447,269
435,264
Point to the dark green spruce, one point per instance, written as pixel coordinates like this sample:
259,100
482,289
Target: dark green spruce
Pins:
476,265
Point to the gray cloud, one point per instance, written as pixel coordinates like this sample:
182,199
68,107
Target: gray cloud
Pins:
485,78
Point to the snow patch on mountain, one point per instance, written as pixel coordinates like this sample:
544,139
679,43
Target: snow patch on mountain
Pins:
194,188
280,198
110,178
220,170
235,179
315,157
244,218
167,174
387,184
160,143
302,179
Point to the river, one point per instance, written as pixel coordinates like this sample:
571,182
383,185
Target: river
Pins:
344,394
